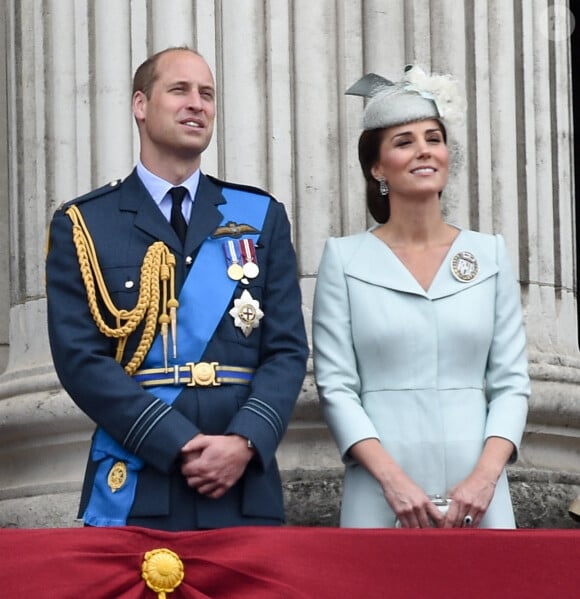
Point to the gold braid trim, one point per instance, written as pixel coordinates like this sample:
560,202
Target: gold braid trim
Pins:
158,266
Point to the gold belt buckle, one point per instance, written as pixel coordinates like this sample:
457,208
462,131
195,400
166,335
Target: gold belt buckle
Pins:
202,374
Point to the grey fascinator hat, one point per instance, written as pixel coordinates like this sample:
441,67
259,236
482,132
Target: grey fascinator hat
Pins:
415,97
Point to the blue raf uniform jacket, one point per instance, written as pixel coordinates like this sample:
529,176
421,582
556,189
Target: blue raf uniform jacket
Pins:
124,221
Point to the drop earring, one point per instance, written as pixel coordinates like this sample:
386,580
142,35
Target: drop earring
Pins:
383,187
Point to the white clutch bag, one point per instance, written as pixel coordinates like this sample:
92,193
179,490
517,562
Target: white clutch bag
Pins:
441,502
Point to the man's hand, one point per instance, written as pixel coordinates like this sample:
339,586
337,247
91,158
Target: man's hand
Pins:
212,464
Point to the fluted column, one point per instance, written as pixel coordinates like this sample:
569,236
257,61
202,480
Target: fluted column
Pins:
553,439
283,123
4,211
39,442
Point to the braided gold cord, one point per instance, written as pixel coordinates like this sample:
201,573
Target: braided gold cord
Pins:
158,266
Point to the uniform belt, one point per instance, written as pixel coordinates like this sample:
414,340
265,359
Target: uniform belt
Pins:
195,374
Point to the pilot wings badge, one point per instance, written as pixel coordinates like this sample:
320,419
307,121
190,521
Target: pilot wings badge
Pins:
233,229
246,313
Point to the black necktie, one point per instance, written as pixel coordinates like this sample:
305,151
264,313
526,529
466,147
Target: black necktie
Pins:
177,219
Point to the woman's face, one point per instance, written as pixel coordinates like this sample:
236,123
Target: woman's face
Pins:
413,158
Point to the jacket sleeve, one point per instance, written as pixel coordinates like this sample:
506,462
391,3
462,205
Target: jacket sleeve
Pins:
507,380
335,364
83,358
265,415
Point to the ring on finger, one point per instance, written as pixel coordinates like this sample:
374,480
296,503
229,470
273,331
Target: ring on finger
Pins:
468,520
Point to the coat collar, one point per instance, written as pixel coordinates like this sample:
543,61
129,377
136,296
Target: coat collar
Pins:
205,215
375,263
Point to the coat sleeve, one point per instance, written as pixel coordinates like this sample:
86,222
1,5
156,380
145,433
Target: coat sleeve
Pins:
507,380
83,358
283,353
335,361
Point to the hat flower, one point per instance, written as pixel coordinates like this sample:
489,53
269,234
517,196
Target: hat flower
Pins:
443,90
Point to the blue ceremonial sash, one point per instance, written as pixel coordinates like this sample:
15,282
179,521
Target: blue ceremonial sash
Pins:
108,507
203,299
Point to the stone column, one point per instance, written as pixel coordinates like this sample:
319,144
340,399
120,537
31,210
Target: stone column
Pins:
70,128
4,211
551,449
43,436
284,124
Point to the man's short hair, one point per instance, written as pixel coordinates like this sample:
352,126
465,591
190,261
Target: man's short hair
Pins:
146,74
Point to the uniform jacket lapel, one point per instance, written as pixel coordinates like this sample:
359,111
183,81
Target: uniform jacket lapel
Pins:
135,198
205,215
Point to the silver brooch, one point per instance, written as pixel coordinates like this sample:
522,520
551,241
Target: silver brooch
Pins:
246,313
464,266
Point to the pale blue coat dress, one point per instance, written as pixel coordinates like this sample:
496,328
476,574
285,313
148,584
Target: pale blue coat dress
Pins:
431,374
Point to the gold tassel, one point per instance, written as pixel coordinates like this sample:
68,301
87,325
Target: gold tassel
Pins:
173,304
158,267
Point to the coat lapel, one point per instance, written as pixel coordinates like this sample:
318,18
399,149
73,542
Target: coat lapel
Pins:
375,263
483,248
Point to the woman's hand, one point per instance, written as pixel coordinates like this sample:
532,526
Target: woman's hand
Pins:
472,496
412,506
470,500
409,502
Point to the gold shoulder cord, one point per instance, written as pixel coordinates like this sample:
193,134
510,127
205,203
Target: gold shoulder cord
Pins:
158,265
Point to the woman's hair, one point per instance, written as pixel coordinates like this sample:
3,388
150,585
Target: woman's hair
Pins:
369,151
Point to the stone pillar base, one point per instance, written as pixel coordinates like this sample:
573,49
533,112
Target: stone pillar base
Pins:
50,508
541,500
540,497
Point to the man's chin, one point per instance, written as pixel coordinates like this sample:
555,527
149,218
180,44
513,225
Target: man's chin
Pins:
191,151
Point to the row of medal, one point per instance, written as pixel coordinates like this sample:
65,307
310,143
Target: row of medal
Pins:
241,259
242,265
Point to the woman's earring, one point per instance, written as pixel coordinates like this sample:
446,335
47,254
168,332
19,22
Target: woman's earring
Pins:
383,187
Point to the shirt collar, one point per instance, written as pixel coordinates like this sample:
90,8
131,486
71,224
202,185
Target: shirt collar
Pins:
158,187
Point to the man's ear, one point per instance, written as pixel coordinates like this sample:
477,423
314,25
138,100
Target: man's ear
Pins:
139,105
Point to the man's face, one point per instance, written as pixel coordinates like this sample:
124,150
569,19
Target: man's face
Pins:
177,119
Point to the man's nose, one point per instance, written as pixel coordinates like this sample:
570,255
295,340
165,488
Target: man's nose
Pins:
194,100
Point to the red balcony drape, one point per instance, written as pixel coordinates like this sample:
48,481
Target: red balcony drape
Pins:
280,563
